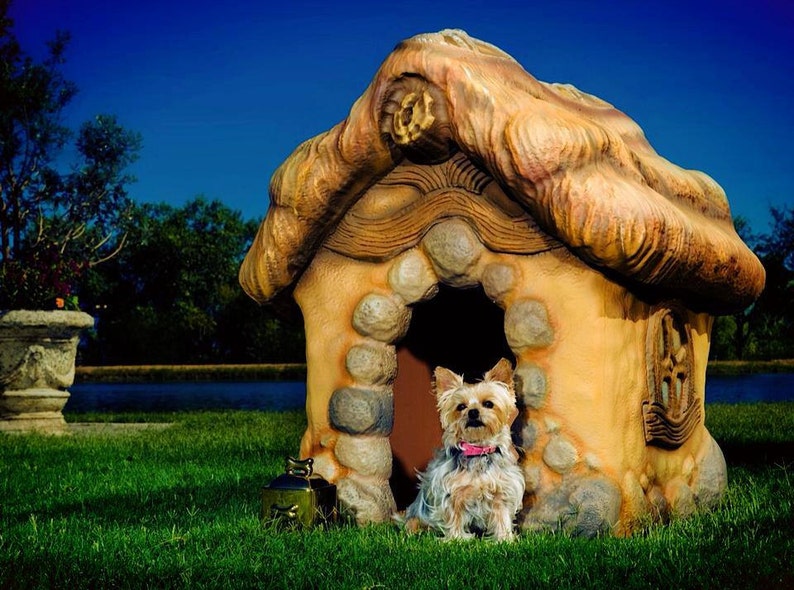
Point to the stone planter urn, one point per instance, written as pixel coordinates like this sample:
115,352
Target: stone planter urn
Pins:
37,355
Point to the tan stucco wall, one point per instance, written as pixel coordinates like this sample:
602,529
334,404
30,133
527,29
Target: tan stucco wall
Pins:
327,295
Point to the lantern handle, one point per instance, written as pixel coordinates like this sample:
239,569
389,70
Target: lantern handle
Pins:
299,468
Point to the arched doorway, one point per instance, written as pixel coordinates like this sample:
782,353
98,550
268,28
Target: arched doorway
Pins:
460,329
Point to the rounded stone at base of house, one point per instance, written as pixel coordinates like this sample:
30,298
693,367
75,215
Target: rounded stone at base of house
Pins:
530,383
560,454
711,479
659,506
412,277
592,461
532,476
682,503
582,506
384,318
454,249
367,500
372,363
498,280
529,434
367,455
527,325
355,410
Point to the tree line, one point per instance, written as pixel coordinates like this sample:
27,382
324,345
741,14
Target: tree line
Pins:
171,295
765,330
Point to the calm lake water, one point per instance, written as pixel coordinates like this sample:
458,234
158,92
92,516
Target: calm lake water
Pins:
287,395
188,395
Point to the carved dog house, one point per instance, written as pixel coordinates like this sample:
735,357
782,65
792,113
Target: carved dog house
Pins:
465,211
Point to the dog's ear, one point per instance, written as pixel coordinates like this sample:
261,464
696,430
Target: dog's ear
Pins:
502,372
444,380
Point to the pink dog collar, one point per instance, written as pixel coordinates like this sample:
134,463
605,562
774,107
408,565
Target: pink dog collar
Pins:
470,450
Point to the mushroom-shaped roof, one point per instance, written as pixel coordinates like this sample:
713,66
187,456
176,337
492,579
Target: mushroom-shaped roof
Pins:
582,169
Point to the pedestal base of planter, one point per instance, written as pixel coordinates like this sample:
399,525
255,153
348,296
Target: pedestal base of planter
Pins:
49,424
36,410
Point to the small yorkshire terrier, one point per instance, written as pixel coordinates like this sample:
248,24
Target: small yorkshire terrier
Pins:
473,485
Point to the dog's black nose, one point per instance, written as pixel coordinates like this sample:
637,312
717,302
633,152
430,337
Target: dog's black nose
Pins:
474,414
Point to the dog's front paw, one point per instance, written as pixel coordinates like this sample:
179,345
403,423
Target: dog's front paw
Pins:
414,525
458,536
504,536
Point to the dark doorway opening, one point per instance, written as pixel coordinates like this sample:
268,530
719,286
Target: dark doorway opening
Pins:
460,329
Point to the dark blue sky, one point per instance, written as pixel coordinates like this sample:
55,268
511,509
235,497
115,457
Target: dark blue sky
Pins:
223,91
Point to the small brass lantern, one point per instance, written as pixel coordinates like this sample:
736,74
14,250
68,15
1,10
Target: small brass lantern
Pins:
299,498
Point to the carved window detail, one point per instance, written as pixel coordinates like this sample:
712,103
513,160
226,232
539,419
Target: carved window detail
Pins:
671,412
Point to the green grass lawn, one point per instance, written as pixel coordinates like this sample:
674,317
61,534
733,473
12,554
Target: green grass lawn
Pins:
179,507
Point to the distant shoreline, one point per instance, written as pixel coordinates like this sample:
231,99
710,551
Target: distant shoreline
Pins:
297,371
729,368
144,373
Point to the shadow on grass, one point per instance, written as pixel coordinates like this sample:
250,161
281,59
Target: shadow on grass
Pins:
759,454
179,505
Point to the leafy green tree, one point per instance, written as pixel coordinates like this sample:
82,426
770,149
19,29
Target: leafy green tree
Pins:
741,334
54,225
172,295
732,335
250,333
775,309
765,330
